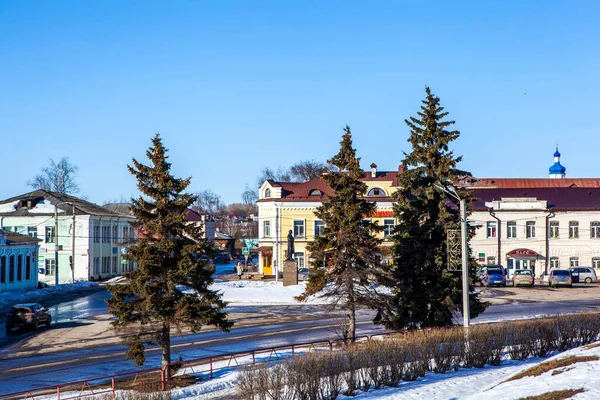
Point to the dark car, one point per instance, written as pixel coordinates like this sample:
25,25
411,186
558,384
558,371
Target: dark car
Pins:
493,276
27,315
222,258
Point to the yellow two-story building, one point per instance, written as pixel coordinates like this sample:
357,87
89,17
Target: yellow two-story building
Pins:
288,206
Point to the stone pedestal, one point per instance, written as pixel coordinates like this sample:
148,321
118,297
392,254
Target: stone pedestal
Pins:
290,273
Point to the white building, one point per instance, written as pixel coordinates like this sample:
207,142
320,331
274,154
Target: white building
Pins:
537,224
90,240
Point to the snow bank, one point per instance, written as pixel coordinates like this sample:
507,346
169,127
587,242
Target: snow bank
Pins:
22,296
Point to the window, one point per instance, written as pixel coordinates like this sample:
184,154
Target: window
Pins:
105,234
96,233
32,231
314,192
50,266
115,263
554,262
530,229
595,230
596,262
115,233
574,262
319,225
125,234
388,227
554,230
573,229
11,268
28,267
267,192
376,192
491,229
511,229
96,265
267,228
3,269
299,228
20,267
105,264
299,257
49,234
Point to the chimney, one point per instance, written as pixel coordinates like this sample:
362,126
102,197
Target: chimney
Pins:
401,168
373,170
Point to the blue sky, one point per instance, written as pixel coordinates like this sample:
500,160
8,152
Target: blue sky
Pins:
235,86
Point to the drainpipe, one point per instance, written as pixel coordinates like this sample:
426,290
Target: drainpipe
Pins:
551,214
499,233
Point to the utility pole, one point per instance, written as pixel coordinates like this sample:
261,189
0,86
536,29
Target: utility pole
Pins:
464,249
465,263
73,246
55,245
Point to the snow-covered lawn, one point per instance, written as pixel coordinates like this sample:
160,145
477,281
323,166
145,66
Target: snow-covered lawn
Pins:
244,292
473,384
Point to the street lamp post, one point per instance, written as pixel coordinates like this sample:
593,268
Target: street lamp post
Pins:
464,250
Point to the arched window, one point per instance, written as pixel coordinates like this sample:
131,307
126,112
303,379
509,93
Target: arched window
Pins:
314,192
3,269
11,268
28,267
267,192
376,192
20,267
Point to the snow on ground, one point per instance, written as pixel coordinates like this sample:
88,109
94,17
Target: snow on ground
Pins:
468,384
245,292
23,296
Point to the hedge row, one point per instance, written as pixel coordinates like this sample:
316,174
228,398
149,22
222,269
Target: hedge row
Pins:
377,363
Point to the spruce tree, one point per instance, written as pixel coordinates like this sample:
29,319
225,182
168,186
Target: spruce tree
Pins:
167,253
346,254
425,293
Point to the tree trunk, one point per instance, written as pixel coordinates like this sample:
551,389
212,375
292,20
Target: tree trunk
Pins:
351,307
165,345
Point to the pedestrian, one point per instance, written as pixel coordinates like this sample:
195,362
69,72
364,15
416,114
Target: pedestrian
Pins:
239,270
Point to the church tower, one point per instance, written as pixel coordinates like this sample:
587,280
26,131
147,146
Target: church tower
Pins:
557,171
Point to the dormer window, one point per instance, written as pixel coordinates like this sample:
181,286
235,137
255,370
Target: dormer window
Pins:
267,192
376,192
314,192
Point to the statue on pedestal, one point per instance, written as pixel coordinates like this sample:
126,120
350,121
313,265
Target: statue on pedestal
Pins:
290,249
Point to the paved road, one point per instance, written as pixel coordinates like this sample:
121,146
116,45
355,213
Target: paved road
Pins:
39,370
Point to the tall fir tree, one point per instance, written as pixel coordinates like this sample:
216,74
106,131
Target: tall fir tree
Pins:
348,245
425,293
167,255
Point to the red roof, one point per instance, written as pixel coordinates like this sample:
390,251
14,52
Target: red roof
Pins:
522,183
558,198
292,191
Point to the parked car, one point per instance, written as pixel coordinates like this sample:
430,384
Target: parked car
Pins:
586,274
493,276
560,277
222,258
27,315
303,274
523,277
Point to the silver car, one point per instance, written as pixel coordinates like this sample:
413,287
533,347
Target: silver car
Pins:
586,274
560,277
303,274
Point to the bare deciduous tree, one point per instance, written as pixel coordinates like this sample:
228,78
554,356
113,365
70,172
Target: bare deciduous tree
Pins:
208,202
58,177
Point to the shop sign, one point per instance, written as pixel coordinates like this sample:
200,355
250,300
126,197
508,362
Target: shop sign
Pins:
379,214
